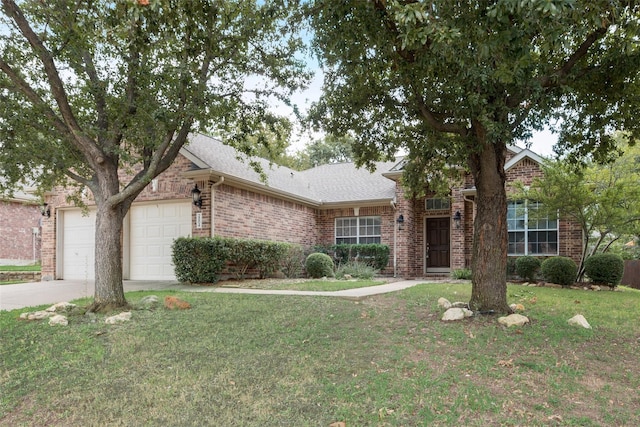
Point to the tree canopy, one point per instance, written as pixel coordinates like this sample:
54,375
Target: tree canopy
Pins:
92,87
455,82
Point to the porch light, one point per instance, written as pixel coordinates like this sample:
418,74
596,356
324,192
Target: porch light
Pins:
400,222
457,218
45,210
195,194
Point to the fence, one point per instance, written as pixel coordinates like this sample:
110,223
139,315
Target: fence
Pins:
631,276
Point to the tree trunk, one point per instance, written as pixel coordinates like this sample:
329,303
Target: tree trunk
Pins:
109,290
489,257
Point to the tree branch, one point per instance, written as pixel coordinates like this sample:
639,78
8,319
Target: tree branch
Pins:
556,77
24,88
57,87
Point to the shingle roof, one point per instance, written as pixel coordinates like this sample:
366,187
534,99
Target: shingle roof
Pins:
334,183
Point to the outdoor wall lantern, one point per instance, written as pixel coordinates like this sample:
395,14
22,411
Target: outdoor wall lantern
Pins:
195,194
400,222
457,218
45,210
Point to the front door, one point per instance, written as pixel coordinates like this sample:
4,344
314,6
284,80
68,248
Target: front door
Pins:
438,244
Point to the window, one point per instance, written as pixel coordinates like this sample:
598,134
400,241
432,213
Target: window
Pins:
361,230
437,204
531,232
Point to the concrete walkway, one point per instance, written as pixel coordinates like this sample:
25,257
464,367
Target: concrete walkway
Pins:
38,293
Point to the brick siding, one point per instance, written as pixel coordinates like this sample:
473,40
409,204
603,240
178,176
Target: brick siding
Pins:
243,213
18,244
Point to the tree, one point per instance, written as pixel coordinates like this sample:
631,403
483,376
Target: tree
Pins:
455,82
603,198
90,88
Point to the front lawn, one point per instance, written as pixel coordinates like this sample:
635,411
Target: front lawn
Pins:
35,267
316,285
388,360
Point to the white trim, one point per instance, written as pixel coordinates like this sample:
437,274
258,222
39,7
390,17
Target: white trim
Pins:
522,155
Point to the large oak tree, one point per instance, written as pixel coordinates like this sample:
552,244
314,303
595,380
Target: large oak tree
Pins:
91,87
455,82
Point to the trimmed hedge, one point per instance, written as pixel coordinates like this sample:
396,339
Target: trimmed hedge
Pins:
319,265
373,254
198,259
606,269
527,267
560,270
202,259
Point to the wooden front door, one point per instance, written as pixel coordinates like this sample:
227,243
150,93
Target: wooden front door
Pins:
438,249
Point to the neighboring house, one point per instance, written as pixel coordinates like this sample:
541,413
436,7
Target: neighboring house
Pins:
20,235
334,203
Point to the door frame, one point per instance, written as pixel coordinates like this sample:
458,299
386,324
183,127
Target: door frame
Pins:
424,247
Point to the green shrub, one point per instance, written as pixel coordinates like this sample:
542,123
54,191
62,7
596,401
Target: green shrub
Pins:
374,254
292,264
263,255
461,274
198,260
527,267
355,269
560,270
606,269
319,265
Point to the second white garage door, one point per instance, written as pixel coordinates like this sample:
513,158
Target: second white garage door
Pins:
153,228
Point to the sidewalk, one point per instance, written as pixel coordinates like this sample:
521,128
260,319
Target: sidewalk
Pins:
39,293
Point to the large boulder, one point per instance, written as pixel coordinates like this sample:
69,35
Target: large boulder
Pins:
513,320
118,318
58,319
579,320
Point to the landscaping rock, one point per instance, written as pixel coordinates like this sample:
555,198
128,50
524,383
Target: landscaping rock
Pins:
579,320
552,285
517,307
459,304
513,320
36,315
444,303
118,318
172,302
454,313
58,319
149,301
61,306
467,312
595,288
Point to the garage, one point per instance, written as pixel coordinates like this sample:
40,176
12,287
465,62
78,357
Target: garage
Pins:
153,227
78,244
151,231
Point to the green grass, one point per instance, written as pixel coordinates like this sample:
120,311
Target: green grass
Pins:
11,282
247,360
328,285
36,267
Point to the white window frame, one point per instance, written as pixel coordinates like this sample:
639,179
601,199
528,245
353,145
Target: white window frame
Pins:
525,228
361,222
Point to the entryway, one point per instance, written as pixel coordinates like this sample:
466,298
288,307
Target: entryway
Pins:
438,245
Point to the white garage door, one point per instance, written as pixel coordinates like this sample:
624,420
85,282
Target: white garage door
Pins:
78,245
153,229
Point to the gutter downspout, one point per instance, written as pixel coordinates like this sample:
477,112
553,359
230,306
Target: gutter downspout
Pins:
395,238
214,185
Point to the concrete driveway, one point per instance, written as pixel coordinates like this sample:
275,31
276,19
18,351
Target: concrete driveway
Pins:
39,293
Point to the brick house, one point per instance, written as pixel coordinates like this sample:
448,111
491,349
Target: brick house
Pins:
20,222
328,204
